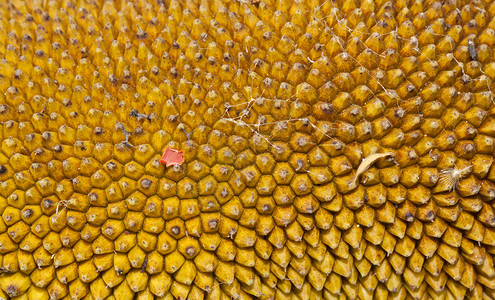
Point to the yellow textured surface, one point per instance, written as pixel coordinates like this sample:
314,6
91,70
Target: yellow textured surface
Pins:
336,149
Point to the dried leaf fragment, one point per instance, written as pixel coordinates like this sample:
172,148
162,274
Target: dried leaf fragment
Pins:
368,161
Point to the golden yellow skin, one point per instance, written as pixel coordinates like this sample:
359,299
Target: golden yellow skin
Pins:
276,105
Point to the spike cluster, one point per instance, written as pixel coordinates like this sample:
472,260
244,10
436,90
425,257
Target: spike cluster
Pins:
276,105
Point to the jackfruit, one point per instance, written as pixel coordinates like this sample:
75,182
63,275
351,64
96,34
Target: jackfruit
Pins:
331,149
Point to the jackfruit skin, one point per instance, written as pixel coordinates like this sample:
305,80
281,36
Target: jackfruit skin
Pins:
276,104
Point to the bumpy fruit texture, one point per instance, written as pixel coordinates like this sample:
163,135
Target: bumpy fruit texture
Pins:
276,105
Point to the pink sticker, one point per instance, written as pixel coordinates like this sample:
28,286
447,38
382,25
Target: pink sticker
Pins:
172,157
